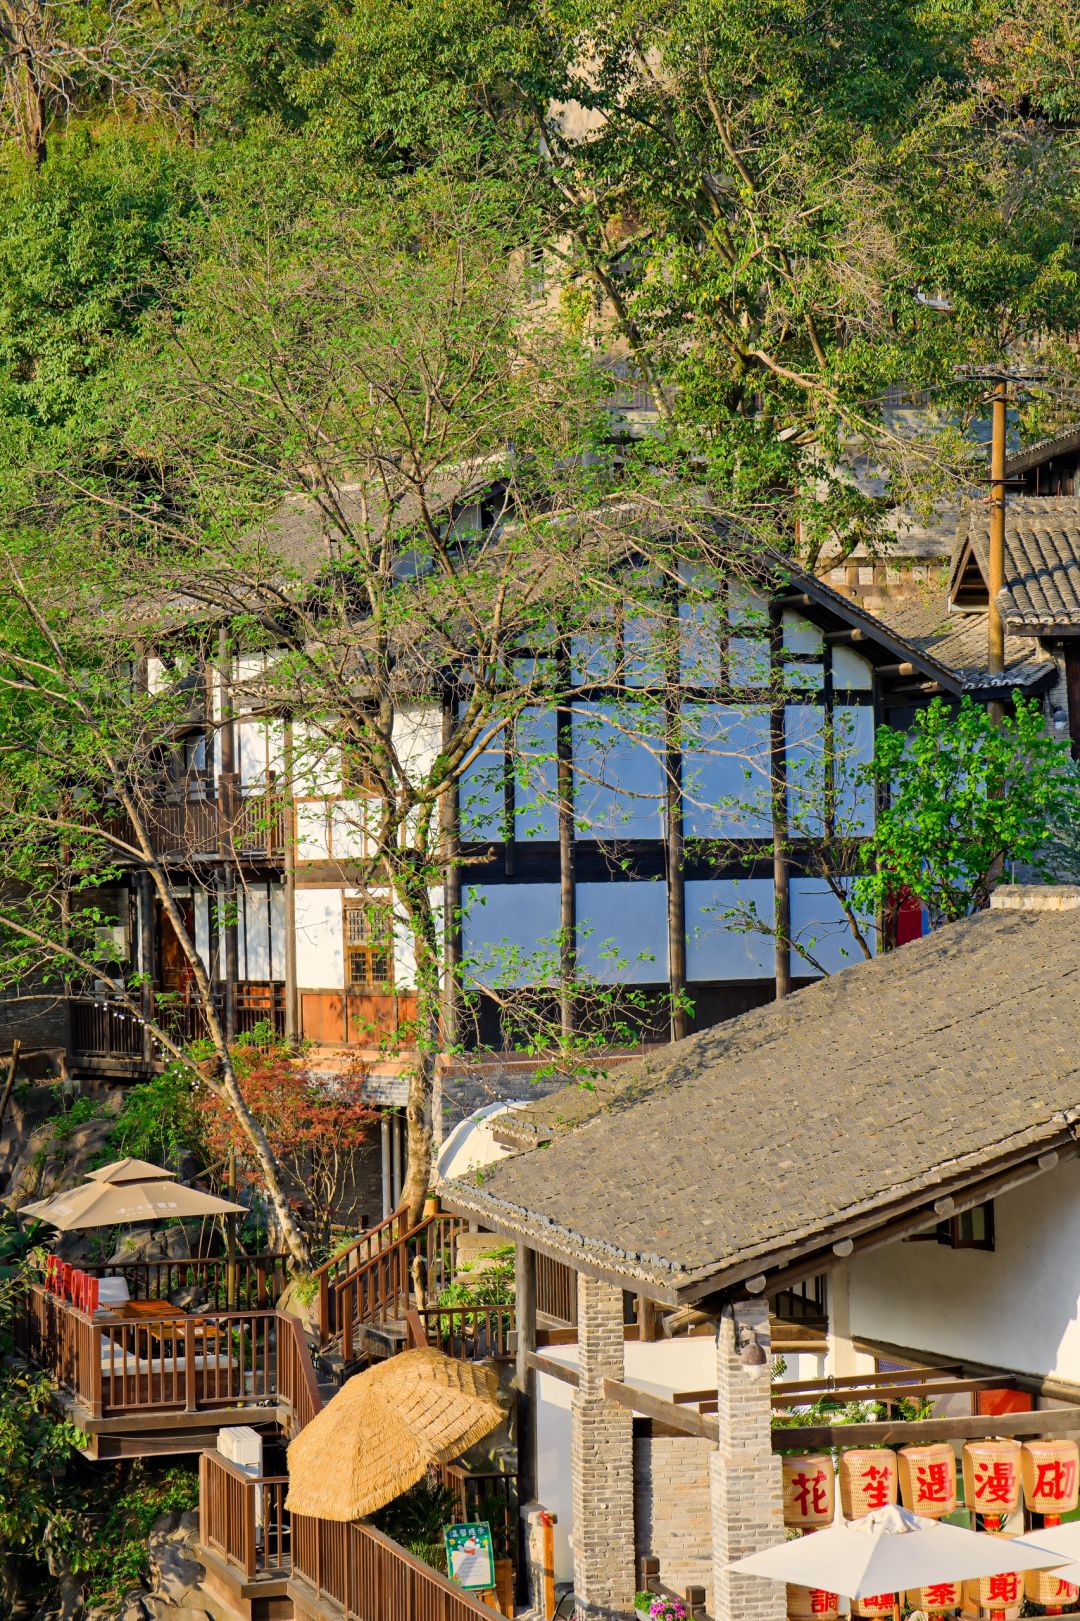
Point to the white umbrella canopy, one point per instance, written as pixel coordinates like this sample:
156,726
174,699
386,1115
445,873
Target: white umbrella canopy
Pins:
1064,1540
115,1204
891,1550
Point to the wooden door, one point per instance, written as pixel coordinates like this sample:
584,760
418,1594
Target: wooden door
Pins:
175,968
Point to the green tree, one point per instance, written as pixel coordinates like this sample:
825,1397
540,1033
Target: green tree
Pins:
965,797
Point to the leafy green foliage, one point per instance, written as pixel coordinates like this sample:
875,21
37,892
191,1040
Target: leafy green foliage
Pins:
489,1284
37,1520
116,1556
964,797
158,1120
416,1520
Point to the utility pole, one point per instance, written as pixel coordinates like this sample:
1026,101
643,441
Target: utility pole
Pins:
995,629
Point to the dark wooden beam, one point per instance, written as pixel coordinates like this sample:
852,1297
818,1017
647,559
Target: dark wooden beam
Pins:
970,1427
663,1412
554,1370
852,1381
896,1392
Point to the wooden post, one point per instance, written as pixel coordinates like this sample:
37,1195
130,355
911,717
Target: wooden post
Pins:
189,1363
147,956
230,1239
1072,692
676,890
226,809
292,1000
451,839
995,630
564,757
778,797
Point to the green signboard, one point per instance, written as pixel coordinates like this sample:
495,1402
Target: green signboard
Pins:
470,1557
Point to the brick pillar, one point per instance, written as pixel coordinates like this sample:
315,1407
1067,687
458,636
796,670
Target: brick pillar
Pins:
601,1460
747,1511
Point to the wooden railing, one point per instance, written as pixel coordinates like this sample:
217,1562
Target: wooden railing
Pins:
103,1029
243,1518
189,1364
369,1280
378,1290
248,824
470,1333
490,1495
373,1578
296,1382
260,1279
556,1289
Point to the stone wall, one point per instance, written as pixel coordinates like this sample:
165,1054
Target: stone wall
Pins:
672,1510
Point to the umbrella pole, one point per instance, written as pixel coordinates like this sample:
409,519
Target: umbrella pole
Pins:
230,1239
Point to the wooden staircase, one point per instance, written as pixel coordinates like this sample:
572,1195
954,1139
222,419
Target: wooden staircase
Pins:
367,1289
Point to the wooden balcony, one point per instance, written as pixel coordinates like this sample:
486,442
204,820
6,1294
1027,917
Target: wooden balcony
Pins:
105,1036
149,1383
246,828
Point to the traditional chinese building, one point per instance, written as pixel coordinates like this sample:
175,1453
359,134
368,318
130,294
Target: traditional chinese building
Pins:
899,1145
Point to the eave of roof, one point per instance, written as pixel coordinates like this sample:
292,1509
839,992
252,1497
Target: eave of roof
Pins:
723,1155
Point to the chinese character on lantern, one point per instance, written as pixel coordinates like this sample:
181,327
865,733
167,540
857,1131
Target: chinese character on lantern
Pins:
877,1485
934,1482
1066,1591
1003,1589
812,1492
941,1596
1056,1479
822,1603
995,1482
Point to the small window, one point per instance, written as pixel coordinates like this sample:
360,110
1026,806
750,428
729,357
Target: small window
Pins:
369,955
971,1230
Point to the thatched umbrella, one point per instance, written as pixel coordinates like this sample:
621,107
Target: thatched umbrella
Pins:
383,1429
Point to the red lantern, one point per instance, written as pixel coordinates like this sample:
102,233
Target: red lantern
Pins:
809,1486
994,1593
1050,1471
1046,1587
812,1604
928,1480
938,1599
881,1604
868,1480
992,1479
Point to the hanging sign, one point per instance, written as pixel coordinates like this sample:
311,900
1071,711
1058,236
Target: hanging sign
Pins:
928,1480
992,1479
470,1556
809,1488
1050,1471
868,1480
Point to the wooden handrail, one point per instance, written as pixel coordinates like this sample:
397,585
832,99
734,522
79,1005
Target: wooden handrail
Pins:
296,1374
373,1578
233,1506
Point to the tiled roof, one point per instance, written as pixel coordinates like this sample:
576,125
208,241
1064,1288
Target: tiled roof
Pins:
958,641
881,1083
1042,560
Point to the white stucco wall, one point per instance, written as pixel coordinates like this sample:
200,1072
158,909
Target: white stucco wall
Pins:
660,1367
320,949
1017,1306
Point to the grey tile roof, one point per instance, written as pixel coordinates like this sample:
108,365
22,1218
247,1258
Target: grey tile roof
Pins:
880,1083
958,641
1042,560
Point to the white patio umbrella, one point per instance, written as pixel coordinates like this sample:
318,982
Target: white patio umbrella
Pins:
891,1550
1064,1540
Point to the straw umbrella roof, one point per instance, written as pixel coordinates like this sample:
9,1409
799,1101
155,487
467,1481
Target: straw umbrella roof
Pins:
115,1204
384,1428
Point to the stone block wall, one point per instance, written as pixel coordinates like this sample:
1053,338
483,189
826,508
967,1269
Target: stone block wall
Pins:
747,1508
672,1506
601,1460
